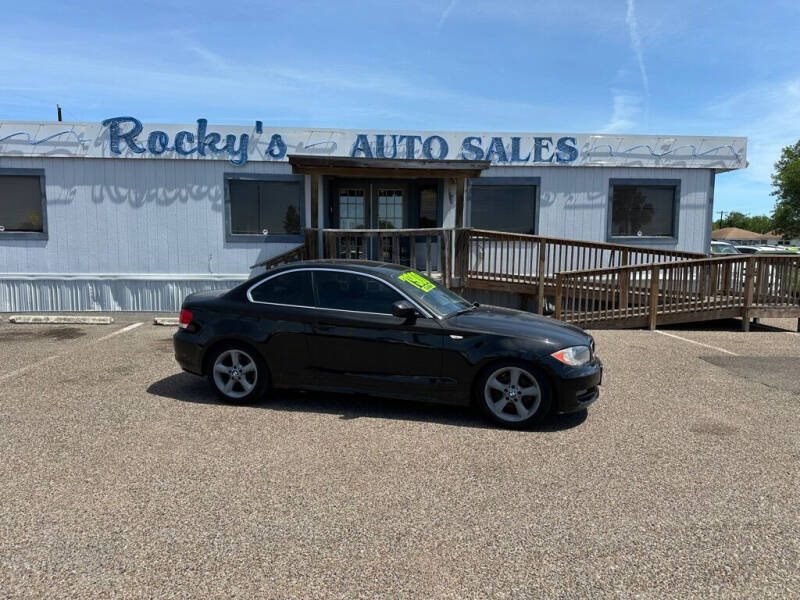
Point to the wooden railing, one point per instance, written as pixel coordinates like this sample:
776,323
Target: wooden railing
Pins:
639,295
515,261
591,283
421,249
303,251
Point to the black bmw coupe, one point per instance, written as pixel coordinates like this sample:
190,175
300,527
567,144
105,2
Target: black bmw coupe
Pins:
384,330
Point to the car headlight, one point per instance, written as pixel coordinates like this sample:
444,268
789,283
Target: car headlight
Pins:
573,356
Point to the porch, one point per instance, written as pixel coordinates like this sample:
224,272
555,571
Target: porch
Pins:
587,283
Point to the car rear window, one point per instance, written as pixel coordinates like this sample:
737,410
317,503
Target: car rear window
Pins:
293,288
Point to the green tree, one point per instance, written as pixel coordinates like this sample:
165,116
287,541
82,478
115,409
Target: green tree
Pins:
759,223
786,181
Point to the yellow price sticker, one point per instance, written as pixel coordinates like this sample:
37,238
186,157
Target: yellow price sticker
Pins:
417,280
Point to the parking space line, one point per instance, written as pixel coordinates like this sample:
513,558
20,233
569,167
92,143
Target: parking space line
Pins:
118,331
47,359
677,337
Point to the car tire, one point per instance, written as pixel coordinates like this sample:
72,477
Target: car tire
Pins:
514,394
237,373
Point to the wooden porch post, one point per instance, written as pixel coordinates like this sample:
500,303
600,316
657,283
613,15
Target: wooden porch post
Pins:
624,282
320,216
749,276
559,283
653,297
540,297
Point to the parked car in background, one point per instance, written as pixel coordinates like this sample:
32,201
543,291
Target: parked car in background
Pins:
718,247
766,250
384,330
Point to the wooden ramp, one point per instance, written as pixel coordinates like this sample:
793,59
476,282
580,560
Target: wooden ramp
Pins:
591,284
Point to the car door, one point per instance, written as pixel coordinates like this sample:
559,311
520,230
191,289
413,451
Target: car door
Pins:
281,309
357,344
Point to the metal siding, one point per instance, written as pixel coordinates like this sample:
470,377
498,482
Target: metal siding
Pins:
574,201
129,217
34,294
122,216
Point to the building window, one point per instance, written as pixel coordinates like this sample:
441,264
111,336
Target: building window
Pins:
503,205
22,204
643,208
390,208
270,207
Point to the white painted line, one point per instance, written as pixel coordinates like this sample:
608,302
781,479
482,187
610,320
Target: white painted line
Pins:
29,367
59,320
118,331
677,337
55,356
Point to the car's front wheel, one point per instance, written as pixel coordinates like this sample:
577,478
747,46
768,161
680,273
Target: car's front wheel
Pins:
513,394
238,374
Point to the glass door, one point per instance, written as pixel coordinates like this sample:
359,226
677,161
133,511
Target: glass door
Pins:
352,211
391,208
370,204
389,212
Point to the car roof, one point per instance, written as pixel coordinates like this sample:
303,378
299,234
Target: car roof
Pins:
380,269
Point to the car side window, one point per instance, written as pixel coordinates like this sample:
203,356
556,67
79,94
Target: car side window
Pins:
348,291
293,288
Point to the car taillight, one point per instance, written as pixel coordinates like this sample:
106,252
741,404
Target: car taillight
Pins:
185,318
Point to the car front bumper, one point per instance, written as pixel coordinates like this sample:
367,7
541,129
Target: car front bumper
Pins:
577,392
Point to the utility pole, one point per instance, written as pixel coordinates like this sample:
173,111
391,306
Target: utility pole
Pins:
721,214
58,109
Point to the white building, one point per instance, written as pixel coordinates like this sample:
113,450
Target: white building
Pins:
120,215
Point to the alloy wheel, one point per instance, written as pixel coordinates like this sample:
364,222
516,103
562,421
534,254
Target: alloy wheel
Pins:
235,373
512,394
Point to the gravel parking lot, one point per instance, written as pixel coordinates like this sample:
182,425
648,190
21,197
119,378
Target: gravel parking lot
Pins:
123,477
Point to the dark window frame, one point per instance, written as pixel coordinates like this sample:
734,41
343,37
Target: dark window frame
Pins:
266,280
648,239
250,237
521,181
423,311
29,235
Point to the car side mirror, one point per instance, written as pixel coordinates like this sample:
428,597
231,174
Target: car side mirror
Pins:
404,309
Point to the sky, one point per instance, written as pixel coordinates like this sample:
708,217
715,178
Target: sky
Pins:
606,66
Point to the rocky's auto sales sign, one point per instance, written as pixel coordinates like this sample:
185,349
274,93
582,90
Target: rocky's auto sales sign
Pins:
128,137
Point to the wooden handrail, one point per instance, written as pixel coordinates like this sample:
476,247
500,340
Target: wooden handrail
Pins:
676,264
738,285
293,255
582,243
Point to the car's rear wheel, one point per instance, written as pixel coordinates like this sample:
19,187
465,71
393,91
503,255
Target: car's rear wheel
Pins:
238,374
514,394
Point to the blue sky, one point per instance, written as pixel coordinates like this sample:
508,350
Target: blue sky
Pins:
623,66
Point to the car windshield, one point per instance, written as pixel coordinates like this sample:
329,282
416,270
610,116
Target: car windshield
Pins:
436,298
723,249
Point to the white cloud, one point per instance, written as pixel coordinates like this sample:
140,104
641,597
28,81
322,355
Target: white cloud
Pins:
446,13
625,114
636,46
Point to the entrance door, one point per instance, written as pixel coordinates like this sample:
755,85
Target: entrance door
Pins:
369,204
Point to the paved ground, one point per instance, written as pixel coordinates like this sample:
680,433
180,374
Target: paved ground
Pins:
122,477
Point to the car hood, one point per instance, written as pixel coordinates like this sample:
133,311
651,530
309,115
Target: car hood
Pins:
517,323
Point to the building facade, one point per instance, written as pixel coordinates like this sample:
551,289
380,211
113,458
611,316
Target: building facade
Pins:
120,215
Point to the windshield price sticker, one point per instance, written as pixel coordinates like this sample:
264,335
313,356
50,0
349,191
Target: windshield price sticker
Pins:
417,280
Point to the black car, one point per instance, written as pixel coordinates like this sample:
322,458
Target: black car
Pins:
384,330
